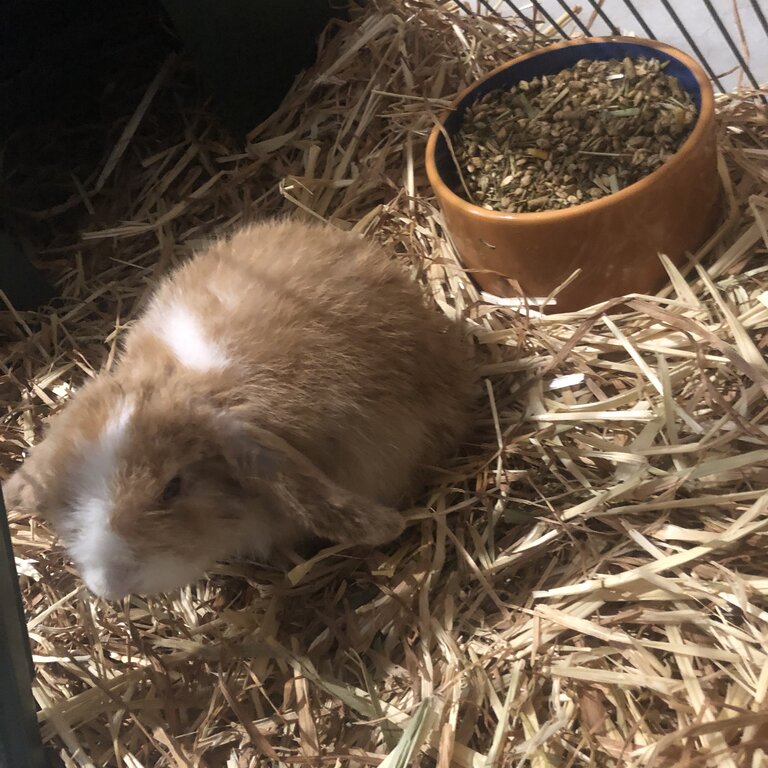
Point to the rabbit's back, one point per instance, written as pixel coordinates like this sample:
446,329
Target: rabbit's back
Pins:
325,341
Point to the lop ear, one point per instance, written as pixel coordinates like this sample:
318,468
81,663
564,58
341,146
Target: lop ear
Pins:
306,494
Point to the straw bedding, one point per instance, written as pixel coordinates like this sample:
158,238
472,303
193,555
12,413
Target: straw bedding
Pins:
589,584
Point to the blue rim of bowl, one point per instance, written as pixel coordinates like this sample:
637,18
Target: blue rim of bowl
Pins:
549,61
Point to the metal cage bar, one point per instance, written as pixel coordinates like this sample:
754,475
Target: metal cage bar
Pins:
533,8
525,19
462,7
540,8
604,16
639,19
488,7
760,15
731,44
574,17
695,48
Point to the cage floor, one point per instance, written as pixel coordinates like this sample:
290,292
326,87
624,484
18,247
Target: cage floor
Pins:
589,585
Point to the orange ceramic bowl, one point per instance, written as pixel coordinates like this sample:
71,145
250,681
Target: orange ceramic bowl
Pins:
614,241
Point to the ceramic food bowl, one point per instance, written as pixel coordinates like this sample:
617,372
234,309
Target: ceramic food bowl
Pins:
615,240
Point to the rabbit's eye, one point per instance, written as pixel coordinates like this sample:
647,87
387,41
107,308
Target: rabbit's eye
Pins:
171,490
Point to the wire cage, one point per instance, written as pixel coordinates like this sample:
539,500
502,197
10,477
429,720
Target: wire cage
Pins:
728,38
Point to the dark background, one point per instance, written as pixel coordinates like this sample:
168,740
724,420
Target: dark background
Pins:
68,69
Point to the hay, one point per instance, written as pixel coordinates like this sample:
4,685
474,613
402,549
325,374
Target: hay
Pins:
589,586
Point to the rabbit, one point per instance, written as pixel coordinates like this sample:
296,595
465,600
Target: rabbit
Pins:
286,382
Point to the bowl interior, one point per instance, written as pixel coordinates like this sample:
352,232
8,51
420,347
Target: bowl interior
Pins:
548,62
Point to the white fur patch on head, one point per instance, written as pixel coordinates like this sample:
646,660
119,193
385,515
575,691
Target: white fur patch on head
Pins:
100,553
183,333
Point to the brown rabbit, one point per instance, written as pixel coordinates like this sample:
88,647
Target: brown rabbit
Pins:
284,383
